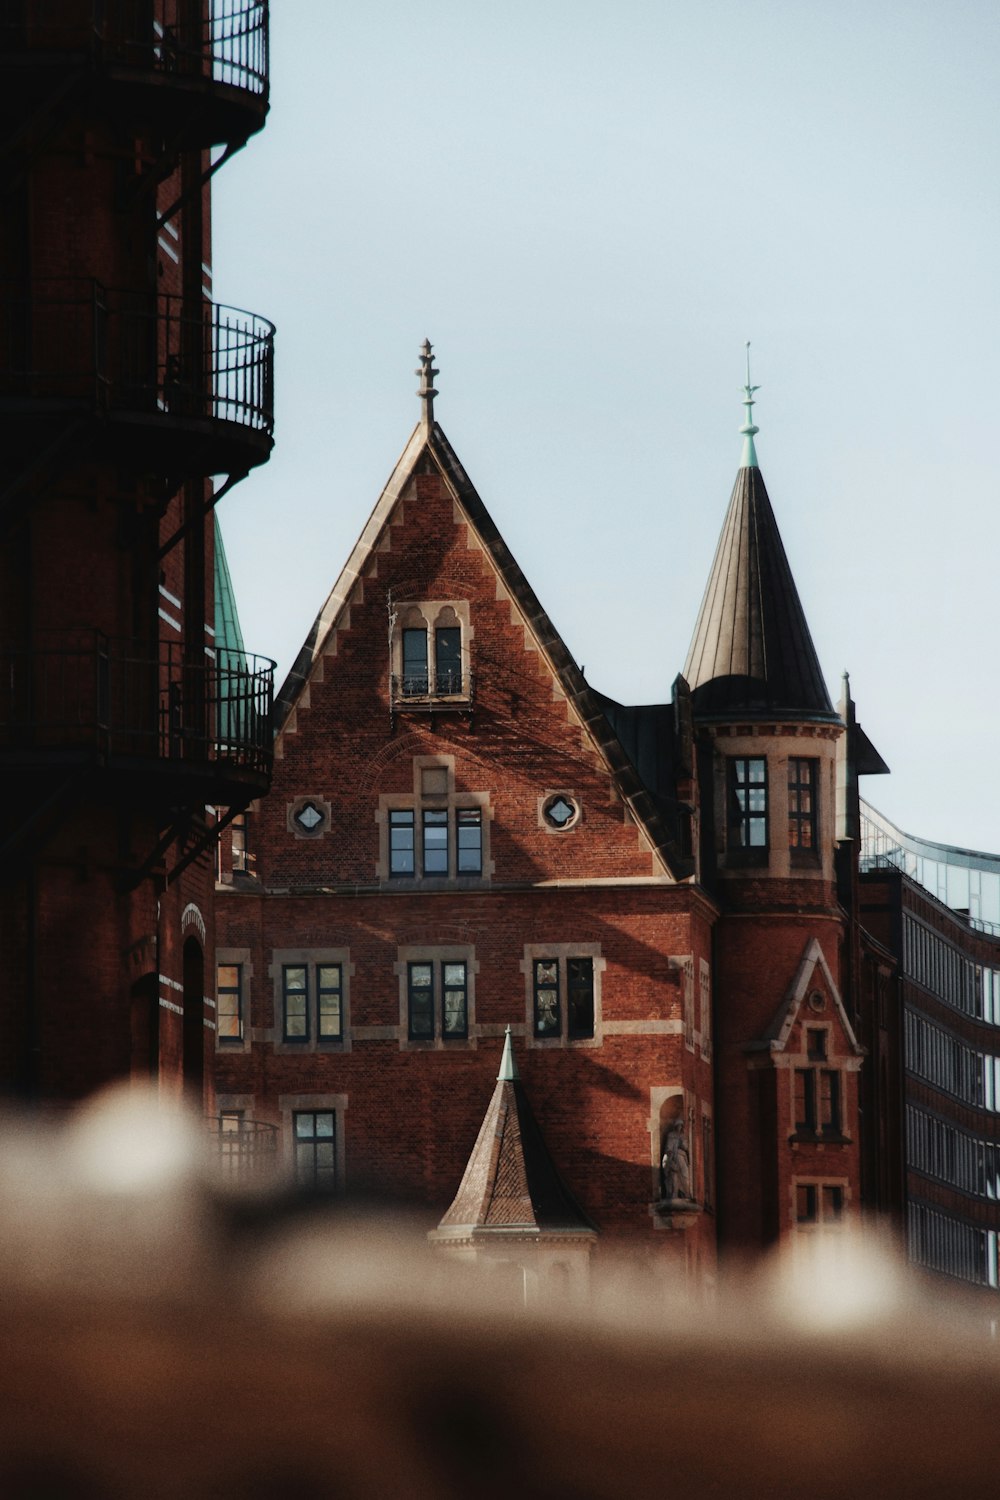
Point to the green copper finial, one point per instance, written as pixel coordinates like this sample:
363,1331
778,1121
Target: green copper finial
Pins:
749,431
508,1067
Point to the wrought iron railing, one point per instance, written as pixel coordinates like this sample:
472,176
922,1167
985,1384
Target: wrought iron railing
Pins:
226,41
247,1150
78,341
118,698
439,688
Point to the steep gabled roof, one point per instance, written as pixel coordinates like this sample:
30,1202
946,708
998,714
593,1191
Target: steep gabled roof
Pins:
776,1036
511,1183
428,445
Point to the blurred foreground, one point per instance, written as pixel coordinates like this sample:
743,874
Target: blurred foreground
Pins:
162,1338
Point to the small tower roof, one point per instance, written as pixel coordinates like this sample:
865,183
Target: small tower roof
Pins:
752,655
228,635
511,1182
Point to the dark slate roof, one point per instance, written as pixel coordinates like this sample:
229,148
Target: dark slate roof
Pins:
752,655
647,735
511,1182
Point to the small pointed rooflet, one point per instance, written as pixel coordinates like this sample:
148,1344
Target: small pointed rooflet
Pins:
752,655
511,1184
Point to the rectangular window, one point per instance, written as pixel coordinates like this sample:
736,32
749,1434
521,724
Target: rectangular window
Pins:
401,851
456,1008
420,992
329,1007
438,982
435,847
801,803
315,1149
805,1100
547,1015
748,803
580,996
240,855
229,1003
448,658
295,1003
829,1101
469,837
805,1203
414,662
816,1043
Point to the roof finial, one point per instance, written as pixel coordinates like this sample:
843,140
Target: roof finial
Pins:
749,431
508,1067
425,390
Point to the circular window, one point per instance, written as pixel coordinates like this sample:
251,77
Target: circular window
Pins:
560,811
817,1001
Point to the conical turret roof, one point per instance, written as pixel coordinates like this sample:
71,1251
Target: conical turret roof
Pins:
511,1182
752,655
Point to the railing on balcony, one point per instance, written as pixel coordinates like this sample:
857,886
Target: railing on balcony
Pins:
246,1150
428,692
86,692
225,41
77,341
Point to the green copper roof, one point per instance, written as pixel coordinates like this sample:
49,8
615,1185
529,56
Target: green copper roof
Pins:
508,1065
228,635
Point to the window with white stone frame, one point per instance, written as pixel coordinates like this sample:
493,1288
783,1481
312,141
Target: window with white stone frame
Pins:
233,974
562,994
430,650
436,996
313,1141
311,989
436,833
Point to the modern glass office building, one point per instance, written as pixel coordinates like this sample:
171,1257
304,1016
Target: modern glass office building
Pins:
936,907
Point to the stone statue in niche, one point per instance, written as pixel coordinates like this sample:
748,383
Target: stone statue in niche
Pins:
675,1165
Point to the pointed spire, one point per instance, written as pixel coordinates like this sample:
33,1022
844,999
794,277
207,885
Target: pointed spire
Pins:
508,1066
425,390
749,431
752,655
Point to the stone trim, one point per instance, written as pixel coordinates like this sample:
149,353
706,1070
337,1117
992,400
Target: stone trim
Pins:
310,958
561,952
437,954
242,957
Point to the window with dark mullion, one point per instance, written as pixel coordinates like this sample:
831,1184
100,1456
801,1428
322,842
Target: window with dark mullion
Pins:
448,659
295,1003
469,838
805,1100
455,1006
548,1021
580,996
401,845
329,1007
415,679
420,996
748,803
801,803
315,1146
229,1003
435,841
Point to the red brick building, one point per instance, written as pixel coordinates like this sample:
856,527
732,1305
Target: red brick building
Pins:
124,393
465,836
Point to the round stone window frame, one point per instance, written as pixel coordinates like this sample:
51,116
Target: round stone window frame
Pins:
549,801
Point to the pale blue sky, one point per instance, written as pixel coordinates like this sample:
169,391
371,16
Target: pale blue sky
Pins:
588,208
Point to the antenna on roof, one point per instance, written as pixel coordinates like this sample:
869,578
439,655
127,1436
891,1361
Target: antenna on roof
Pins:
425,390
749,431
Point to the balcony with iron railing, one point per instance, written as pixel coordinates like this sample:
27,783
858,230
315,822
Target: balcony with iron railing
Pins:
82,699
187,390
430,692
246,1151
198,68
